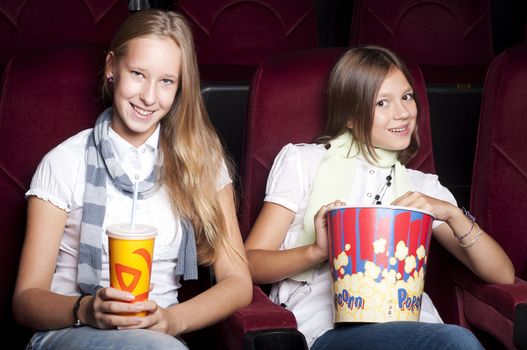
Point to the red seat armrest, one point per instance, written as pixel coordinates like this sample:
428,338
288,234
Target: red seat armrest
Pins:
262,314
502,297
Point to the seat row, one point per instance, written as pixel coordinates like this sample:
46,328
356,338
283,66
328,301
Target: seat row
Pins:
53,94
451,40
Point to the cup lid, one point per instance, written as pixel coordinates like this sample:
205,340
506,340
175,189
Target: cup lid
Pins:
392,207
139,231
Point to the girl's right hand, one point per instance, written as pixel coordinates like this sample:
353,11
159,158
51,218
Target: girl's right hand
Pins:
108,309
321,245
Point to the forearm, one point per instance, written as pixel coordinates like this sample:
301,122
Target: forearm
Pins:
489,262
211,306
41,309
481,253
269,266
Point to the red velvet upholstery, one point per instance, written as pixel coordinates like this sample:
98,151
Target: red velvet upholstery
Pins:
235,35
499,185
433,33
34,24
49,96
287,104
261,315
500,169
39,108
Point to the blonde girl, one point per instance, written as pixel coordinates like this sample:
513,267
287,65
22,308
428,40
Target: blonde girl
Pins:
156,134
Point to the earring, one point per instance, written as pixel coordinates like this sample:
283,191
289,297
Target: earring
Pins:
110,79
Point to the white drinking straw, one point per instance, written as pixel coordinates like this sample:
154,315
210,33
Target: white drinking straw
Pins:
134,200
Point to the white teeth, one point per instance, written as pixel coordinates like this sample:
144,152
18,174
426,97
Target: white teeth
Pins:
141,111
398,130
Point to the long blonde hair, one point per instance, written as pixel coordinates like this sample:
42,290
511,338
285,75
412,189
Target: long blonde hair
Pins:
192,152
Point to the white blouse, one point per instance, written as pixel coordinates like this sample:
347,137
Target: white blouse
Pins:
60,179
289,185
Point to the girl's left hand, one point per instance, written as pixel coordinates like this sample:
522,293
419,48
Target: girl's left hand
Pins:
156,318
440,209
321,247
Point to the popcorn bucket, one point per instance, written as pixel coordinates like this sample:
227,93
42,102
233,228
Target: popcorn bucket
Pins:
378,256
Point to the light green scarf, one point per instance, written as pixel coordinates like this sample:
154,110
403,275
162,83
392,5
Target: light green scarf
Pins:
334,180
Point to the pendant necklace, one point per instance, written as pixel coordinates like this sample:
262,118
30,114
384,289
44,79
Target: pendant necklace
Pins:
377,200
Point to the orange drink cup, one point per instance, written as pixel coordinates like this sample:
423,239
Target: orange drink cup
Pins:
131,252
378,258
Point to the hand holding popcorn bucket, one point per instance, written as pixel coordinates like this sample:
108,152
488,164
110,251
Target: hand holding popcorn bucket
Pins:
378,257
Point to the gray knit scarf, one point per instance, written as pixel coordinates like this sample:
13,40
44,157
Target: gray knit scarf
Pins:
100,163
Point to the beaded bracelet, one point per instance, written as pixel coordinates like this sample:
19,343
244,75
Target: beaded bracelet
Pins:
76,307
472,219
474,239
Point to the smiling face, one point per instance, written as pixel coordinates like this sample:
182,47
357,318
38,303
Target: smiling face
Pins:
145,83
395,113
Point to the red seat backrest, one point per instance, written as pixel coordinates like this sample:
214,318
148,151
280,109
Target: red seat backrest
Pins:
35,24
446,32
243,32
287,104
499,180
46,98
453,37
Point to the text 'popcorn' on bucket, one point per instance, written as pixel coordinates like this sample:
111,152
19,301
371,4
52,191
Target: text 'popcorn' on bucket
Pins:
380,294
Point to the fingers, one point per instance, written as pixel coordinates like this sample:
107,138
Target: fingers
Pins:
114,308
320,216
114,294
413,200
325,208
421,201
149,321
320,247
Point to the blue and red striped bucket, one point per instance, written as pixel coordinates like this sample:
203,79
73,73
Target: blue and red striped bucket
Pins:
378,256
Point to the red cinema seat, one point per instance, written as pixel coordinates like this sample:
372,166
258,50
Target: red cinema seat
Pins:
450,39
498,184
233,36
27,25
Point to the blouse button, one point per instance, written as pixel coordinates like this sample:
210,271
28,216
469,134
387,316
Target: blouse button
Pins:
372,171
368,194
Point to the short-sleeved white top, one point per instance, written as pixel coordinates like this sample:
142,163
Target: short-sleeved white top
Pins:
289,184
60,179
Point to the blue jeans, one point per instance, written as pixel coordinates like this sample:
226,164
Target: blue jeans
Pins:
397,335
87,338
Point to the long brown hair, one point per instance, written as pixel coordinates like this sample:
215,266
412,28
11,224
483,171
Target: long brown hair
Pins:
192,152
352,89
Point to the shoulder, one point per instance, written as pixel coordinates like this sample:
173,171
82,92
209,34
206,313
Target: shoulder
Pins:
70,150
292,173
224,177
429,184
422,180
420,176
295,166
60,171
305,153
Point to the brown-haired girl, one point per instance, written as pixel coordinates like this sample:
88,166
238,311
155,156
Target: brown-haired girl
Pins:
371,133
156,136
